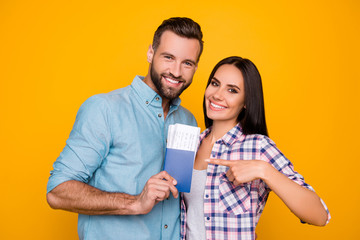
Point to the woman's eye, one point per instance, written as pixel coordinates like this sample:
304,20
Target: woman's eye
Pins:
213,83
232,90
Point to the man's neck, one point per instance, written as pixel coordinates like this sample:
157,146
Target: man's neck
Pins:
166,106
165,102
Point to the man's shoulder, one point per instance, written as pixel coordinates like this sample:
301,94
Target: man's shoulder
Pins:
113,96
107,100
119,91
185,116
184,110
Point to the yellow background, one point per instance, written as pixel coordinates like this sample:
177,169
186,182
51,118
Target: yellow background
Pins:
56,54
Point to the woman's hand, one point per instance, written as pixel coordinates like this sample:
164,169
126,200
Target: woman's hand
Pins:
241,171
304,203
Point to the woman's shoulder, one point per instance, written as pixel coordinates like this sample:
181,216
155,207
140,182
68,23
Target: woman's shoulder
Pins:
262,140
255,137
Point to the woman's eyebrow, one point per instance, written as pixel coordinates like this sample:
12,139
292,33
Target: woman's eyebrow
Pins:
214,78
229,85
233,86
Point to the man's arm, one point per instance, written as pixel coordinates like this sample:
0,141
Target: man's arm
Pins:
82,198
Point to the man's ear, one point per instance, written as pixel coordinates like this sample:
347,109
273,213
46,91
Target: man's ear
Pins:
150,54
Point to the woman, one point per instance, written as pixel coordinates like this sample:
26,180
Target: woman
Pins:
237,165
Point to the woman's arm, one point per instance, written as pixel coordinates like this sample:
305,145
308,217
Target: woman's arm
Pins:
304,203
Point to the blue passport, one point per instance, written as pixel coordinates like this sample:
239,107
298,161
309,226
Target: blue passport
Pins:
179,164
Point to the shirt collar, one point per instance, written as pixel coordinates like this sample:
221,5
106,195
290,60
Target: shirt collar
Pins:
148,95
233,135
229,138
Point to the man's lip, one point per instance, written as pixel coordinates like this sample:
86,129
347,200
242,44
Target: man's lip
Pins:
172,81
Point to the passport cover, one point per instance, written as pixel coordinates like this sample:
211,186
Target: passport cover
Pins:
179,164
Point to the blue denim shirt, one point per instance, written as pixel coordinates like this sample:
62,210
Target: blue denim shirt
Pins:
117,143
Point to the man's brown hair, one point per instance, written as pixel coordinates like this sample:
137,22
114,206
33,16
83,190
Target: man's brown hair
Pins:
181,26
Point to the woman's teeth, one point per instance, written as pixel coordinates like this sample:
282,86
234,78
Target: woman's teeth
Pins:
216,106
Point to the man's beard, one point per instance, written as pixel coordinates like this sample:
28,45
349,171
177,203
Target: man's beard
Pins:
167,92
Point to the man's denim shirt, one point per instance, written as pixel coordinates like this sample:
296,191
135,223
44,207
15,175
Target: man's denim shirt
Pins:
117,143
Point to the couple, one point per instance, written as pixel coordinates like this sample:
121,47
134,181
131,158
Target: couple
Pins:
110,169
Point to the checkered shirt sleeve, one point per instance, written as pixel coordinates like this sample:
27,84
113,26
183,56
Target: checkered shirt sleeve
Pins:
232,212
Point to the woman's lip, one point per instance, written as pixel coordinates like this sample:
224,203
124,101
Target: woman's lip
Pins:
216,106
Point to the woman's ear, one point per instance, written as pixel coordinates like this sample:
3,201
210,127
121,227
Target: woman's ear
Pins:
150,54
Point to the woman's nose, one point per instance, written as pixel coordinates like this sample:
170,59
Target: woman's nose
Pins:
218,94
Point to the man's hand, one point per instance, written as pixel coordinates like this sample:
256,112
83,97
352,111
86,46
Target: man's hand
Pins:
241,171
156,189
82,198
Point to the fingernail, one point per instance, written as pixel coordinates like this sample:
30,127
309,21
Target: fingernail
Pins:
174,182
207,160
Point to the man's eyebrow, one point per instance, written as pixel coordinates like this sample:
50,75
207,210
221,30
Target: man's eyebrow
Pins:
166,53
169,54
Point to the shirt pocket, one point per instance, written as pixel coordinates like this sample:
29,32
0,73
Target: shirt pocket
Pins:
234,199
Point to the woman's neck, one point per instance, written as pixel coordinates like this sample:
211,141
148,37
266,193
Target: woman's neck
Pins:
219,129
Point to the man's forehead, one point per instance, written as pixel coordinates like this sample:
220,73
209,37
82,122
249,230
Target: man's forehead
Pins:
172,43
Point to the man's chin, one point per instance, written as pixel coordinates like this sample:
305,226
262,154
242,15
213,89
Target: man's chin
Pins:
170,95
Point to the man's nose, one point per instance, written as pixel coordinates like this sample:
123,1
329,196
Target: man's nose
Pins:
176,69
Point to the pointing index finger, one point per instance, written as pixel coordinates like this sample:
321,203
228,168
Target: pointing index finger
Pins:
219,162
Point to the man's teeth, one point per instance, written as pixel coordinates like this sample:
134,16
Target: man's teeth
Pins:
172,81
217,106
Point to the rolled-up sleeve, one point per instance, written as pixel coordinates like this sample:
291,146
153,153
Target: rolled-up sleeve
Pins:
87,145
270,153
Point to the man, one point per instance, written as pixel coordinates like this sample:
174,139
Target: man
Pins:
110,169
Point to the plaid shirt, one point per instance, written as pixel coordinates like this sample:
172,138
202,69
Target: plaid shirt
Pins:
232,212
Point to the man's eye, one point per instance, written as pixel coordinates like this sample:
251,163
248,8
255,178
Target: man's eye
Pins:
188,64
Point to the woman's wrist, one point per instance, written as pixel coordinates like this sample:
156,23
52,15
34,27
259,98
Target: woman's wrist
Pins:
265,171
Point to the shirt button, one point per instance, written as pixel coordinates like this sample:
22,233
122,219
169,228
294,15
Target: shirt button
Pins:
166,226
208,218
207,196
147,102
159,115
157,98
